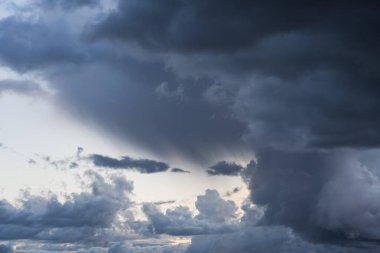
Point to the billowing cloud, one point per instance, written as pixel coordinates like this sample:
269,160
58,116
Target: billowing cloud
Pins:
272,57
324,195
214,208
302,81
80,217
216,215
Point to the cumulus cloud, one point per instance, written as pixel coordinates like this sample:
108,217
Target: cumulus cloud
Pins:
80,217
214,208
215,215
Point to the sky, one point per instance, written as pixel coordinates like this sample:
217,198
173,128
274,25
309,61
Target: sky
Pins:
189,126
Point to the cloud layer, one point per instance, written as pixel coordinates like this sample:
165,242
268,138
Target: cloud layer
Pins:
294,82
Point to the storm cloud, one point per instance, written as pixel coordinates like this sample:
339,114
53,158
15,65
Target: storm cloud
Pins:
276,57
294,82
322,195
300,76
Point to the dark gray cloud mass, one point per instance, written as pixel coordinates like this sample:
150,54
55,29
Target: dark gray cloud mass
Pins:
124,100
225,168
105,84
141,165
311,67
323,195
35,45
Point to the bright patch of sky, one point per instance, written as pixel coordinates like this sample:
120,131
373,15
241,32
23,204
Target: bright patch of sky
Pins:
34,130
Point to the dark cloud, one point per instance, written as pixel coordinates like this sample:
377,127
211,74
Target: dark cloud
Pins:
289,54
302,77
178,170
6,249
294,54
141,165
225,168
322,195
124,100
105,84
36,45
159,26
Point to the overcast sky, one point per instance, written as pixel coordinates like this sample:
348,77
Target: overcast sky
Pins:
189,126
